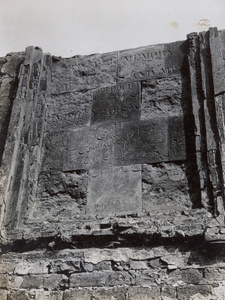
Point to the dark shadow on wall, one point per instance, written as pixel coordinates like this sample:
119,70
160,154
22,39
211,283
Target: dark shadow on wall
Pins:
6,120
186,104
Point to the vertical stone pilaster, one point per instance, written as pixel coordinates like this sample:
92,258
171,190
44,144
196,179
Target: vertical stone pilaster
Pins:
24,141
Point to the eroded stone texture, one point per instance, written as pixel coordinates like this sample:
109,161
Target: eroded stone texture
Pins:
114,190
117,103
161,97
164,186
150,62
112,173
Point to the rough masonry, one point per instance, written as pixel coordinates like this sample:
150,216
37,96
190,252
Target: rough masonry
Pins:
112,173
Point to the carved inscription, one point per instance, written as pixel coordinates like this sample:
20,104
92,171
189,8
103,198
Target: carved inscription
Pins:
83,73
115,190
153,62
90,147
140,142
116,103
126,143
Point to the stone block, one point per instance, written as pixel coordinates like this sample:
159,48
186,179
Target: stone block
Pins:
98,279
7,267
65,266
116,293
214,274
114,191
185,292
69,110
143,293
55,281
141,142
3,294
117,103
101,266
169,292
15,282
24,268
138,265
191,276
89,147
4,281
78,294
32,282
119,278
87,279
56,295
161,97
165,188
146,278
42,295
149,62
83,73
21,295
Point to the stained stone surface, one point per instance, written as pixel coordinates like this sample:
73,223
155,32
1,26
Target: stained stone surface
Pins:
161,96
112,173
123,186
117,103
151,141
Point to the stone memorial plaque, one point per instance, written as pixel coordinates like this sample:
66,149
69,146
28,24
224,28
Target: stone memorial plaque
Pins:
144,141
115,190
89,147
150,62
148,141
117,103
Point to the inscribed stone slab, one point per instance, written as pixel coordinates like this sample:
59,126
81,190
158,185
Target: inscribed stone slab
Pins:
114,191
117,103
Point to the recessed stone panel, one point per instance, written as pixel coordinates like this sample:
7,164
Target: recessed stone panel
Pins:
150,62
139,142
117,103
89,147
126,143
114,191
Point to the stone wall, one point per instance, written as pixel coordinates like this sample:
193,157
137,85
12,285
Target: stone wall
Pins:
112,173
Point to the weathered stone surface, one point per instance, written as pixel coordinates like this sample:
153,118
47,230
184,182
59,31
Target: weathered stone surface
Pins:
88,279
112,172
56,295
161,97
117,103
141,293
110,293
164,187
3,294
90,147
20,295
149,62
65,267
186,292
114,190
72,294
69,110
84,72
191,276
156,140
